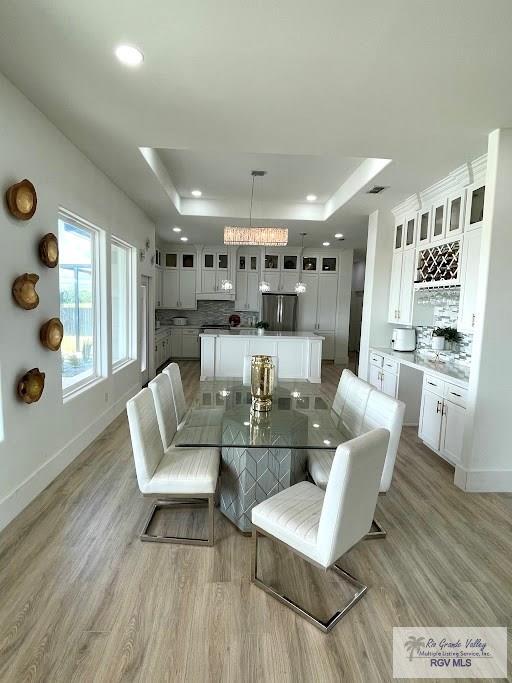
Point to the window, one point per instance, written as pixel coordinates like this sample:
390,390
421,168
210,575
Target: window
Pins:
79,301
122,270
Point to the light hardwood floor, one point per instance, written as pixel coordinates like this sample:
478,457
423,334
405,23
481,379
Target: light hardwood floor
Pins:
82,599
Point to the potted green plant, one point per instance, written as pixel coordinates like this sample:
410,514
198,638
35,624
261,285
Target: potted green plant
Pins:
441,335
261,326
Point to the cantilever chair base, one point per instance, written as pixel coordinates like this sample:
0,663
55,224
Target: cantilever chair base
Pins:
376,531
181,501
324,626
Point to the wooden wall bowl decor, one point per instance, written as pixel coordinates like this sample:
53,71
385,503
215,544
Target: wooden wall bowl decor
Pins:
49,250
31,386
51,334
22,200
24,291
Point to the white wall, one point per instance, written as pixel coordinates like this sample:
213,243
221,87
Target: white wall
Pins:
39,440
375,329
487,456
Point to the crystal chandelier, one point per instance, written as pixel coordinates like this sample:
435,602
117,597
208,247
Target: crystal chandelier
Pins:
254,236
300,286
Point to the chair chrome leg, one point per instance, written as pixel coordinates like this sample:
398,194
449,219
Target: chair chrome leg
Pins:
324,626
177,503
376,531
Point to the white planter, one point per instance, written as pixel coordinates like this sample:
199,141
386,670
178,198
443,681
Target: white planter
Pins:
437,343
261,331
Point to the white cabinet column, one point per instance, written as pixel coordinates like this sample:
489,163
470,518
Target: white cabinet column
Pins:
486,463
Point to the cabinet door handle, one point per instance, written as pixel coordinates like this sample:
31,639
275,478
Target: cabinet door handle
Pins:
454,394
431,384
439,407
445,409
473,320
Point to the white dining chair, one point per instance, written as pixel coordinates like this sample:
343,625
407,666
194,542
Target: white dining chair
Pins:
246,377
364,408
165,408
173,477
322,527
173,373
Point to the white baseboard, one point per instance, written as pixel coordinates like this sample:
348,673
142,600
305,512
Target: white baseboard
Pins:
483,481
17,500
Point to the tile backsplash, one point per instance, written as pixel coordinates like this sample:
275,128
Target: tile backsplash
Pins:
444,305
208,312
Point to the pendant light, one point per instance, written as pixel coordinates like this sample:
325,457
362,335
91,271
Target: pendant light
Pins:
300,286
255,237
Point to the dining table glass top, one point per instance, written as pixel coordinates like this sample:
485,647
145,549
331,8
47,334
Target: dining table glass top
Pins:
220,415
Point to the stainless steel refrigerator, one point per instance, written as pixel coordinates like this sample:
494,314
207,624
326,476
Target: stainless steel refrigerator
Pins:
280,311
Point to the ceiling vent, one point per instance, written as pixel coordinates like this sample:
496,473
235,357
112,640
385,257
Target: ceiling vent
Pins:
377,189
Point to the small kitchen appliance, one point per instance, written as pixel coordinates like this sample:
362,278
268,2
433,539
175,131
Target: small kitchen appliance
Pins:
403,339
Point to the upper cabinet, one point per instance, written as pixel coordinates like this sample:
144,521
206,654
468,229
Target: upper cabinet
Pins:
455,214
216,267
423,226
438,231
410,231
399,236
180,259
475,206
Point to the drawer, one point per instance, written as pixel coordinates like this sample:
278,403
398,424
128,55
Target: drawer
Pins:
390,366
455,394
433,384
190,333
377,360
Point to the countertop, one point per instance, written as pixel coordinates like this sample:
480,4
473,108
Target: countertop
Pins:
445,370
249,333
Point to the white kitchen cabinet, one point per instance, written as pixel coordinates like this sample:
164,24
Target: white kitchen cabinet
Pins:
158,287
175,342
247,291
469,278
385,380
401,289
273,277
327,300
455,214
188,289
438,230
327,345
475,199
410,231
452,433
389,383
394,287
431,415
288,282
190,343
179,289
423,226
215,267
398,241
441,418
307,303
375,377
171,288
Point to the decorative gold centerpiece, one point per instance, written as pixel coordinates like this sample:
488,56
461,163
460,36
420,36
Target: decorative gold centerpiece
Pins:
262,383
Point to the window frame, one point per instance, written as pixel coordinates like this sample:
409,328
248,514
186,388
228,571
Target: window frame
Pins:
97,234
131,312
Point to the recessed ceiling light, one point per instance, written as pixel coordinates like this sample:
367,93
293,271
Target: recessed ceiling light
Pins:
338,236
311,197
327,442
129,55
176,229
196,193
326,244
184,239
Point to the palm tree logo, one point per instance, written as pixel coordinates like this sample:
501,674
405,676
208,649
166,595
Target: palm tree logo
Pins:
413,644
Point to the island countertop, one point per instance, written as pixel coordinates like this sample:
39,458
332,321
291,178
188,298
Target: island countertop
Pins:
251,333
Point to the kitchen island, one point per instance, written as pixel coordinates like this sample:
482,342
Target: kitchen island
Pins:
299,354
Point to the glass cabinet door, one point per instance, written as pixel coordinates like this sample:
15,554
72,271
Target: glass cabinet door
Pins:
222,261
424,226
290,262
247,262
271,262
455,215
208,261
309,263
171,260
253,263
438,225
476,213
242,262
188,260
329,264
410,232
399,236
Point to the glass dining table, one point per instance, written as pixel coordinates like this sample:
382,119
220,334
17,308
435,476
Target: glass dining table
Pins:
261,453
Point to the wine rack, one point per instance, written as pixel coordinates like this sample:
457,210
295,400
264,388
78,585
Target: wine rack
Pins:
438,265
